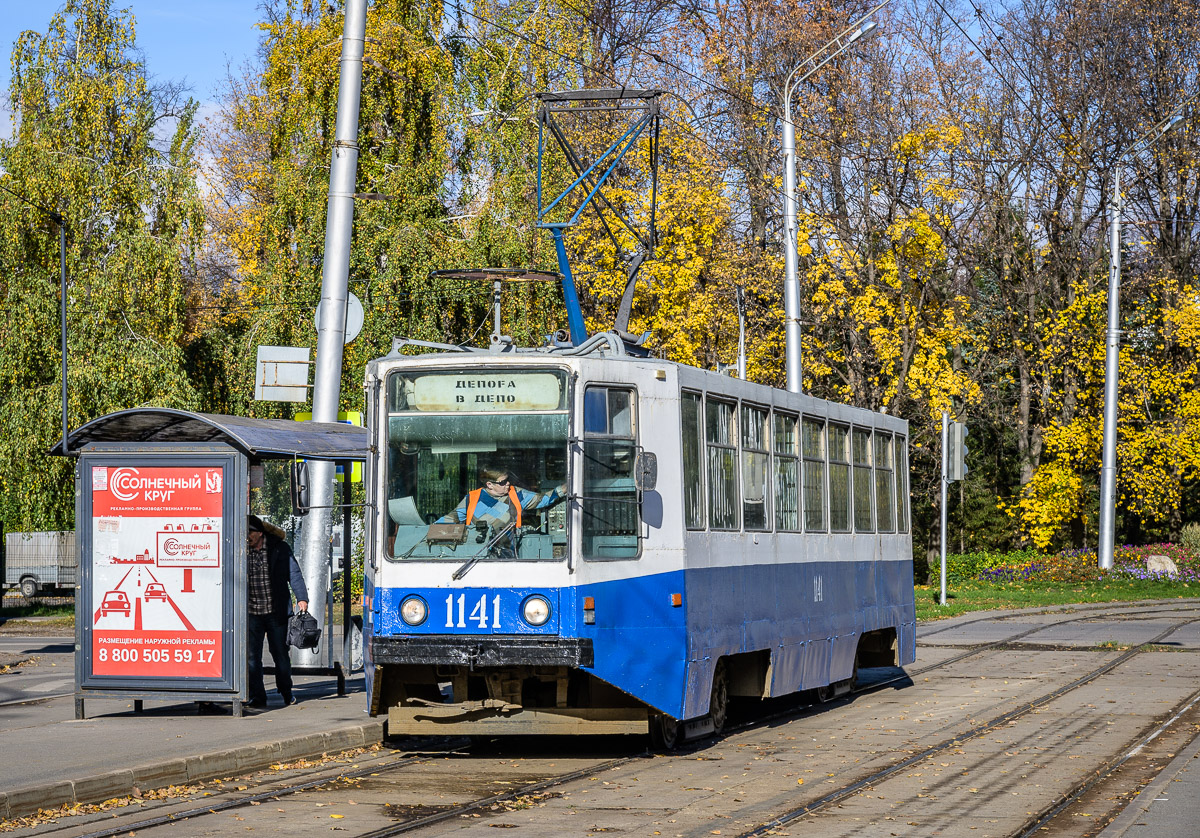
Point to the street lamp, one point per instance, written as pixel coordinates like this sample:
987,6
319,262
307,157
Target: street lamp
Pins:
791,284
62,287
1108,466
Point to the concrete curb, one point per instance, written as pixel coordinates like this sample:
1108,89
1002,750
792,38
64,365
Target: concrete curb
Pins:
255,757
1045,609
1138,807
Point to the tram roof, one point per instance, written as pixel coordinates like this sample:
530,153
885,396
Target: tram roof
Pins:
259,439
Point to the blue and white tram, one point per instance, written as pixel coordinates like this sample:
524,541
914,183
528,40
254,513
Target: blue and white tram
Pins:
772,554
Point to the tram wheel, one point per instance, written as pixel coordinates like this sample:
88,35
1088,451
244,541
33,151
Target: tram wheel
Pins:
824,693
718,701
665,732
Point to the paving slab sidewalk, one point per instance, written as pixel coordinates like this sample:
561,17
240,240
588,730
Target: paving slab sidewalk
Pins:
51,758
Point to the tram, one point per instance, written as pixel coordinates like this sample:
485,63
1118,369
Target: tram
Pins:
666,538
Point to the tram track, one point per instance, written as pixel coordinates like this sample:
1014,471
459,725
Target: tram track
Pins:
526,789
216,806
846,791
1107,769
126,827
982,648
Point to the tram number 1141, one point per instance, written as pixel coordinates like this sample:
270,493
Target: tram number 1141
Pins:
457,606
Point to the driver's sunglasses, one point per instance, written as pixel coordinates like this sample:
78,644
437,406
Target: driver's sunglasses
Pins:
505,482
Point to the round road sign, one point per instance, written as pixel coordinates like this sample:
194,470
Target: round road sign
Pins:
354,317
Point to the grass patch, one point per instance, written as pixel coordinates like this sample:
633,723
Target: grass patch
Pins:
37,609
975,595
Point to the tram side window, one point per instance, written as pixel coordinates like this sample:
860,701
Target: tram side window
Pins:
861,445
884,481
813,446
721,435
839,479
901,452
756,493
693,474
609,505
787,477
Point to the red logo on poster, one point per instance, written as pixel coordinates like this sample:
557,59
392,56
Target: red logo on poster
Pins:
193,549
160,491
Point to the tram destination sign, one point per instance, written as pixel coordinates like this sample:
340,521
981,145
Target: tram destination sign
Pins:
483,391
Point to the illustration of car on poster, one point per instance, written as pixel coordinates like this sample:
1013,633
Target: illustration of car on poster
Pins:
156,571
114,601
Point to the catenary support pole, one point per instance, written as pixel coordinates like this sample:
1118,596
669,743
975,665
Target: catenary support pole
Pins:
62,288
945,483
791,280
1112,364
1112,343
331,331
741,359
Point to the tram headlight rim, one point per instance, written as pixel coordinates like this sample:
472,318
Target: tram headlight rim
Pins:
417,602
531,600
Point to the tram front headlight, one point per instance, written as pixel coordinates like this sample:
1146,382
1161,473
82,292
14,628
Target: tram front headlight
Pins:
536,610
414,610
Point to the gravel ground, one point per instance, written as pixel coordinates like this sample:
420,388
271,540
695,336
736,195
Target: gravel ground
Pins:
44,627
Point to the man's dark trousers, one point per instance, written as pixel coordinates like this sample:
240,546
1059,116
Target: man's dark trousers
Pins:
275,631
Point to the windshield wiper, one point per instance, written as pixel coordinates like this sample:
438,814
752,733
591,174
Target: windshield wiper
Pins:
475,559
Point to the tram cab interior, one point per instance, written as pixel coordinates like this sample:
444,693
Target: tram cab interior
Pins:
436,458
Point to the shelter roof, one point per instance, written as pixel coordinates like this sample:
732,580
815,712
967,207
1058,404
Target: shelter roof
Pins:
259,439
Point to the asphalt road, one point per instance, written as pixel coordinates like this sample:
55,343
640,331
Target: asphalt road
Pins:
34,668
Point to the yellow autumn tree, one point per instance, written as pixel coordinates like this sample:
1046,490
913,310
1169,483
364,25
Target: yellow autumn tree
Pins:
1158,423
887,321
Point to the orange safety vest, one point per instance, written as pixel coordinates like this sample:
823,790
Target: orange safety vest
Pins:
473,499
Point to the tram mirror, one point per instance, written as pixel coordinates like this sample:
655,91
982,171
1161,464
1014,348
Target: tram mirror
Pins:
299,488
645,471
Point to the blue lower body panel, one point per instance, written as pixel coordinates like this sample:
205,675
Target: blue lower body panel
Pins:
658,638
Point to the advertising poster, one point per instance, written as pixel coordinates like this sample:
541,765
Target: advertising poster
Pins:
156,571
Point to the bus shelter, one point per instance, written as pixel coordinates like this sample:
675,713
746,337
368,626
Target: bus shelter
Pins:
160,514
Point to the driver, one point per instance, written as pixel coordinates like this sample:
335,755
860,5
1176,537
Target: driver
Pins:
499,504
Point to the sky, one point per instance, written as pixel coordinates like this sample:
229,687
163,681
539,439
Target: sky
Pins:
183,40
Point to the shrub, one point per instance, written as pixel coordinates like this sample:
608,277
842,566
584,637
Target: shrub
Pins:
1190,538
964,566
1081,565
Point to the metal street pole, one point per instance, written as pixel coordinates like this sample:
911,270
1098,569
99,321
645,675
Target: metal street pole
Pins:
1112,348
62,314
945,483
741,359
1108,461
791,280
331,331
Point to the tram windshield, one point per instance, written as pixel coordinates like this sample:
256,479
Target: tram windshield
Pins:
476,464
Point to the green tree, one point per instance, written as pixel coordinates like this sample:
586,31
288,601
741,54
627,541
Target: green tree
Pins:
426,197
84,145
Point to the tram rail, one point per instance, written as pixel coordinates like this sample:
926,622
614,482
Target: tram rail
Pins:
324,778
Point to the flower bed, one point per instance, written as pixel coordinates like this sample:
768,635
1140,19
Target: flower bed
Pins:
1129,562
